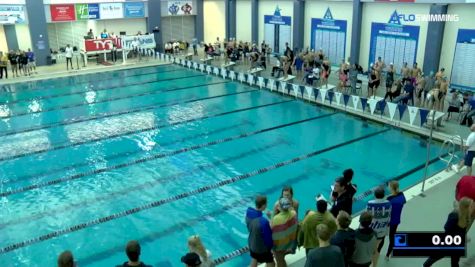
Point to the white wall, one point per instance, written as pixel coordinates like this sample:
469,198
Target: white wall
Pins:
243,21
130,26
340,11
23,36
466,14
3,40
381,12
267,7
214,20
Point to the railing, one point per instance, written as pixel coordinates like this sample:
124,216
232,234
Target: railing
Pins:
448,151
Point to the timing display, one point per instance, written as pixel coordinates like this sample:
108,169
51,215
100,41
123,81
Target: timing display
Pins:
425,244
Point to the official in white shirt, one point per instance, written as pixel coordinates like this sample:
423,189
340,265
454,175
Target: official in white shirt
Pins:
69,56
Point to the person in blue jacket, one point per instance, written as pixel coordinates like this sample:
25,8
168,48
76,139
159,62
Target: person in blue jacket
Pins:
260,234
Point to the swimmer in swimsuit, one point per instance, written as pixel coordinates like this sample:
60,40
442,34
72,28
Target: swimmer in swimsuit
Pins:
420,85
415,72
405,71
343,75
326,71
373,83
440,75
443,88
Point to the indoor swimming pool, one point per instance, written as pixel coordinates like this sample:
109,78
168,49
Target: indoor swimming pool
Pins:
158,154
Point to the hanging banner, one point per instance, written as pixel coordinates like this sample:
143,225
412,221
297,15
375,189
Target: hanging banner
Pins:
223,73
12,14
62,12
87,11
346,98
141,41
277,31
412,114
393,42
296,89
323,94
423,113
111,11
261,82
355,99
134,10
309,91
101,44
329,35
338,97
372,105
330,96
271,84
392,109
180,8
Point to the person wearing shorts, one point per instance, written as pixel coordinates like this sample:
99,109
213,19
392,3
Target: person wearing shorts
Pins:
470,154
380,209
260,233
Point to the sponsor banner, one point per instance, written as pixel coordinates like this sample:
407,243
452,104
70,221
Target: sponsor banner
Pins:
180,8
141,41
12,14
87,11
111,11
63,12
134,10
102,44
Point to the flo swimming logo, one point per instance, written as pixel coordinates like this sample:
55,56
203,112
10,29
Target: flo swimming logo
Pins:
397,18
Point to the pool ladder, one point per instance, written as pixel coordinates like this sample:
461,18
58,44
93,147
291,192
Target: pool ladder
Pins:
448,151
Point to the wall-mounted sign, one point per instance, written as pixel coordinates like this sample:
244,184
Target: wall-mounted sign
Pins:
12,14
393,42
111,11
134,10
277,31
62,12
180,8
87,11
142,41
329,35
463,67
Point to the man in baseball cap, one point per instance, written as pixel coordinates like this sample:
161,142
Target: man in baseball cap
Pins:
191,260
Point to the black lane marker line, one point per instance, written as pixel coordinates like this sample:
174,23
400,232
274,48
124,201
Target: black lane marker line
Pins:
183,195
245,249
110,114
127,190
130,153
154,157
126,133
93,89
105,100
91,258
111,78
398,178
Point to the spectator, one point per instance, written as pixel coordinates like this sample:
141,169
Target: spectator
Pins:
133,253
66,259
470,153
284,231
365,242
380,209
348,177
31,60
195,245
13,58
260,234
288,193
395,90
3,65
342,198
90,34
191,260
104,34
465,188
308,236
458,223
326,254
344,236
397,200
454,104
408,93
69,56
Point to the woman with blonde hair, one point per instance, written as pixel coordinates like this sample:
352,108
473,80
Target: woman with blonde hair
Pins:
458,223
195,245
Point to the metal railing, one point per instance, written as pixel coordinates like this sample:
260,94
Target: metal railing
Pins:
449,149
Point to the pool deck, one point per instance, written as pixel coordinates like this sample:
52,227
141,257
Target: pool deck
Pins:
427,213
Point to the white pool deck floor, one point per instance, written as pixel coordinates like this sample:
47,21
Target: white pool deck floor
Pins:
427,213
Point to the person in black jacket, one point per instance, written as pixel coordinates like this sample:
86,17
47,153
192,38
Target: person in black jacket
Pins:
458,223
342,198
133,253
344,236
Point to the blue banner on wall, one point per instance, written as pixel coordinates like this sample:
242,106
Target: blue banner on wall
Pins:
329,35
463,66
393,42
277,31
134,10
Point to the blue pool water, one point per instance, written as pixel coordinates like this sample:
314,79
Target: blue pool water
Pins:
161,153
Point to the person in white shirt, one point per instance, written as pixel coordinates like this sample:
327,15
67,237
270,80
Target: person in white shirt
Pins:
69,56
470,153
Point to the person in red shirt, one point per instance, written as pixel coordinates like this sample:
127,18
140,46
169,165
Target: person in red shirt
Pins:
465,188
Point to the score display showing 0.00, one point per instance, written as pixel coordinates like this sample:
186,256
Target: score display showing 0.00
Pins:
448,240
